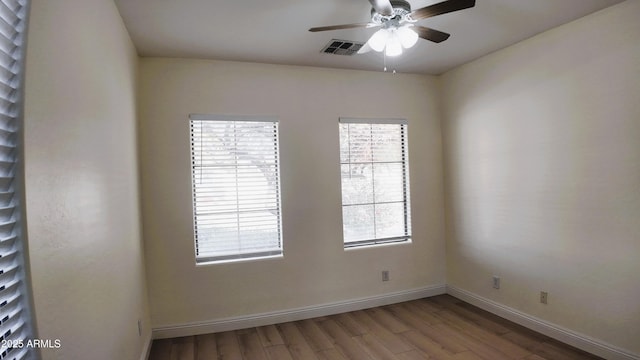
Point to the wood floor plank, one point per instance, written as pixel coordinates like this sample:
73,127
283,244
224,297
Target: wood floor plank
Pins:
427,346
428,304
504,323
183,348
511,326
161,349
419,311
570,349
295,341
330,354
446,342
467,355
409,318
384,317
206,347
414,354
269,335
480,348
374,347
510,349
316,339
228,346
478,319
551,351
393,342
343,341
524,342
534,357
276,352
416,323
350,324
250,344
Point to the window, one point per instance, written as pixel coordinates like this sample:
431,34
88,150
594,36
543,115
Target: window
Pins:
375,181
236,187
15,319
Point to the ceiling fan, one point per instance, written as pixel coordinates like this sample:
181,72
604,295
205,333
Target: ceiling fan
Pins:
396,22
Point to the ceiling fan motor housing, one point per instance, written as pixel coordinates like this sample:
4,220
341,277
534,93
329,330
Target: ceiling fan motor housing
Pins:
401,10
401,4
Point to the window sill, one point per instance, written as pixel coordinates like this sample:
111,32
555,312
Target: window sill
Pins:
370,246
238,260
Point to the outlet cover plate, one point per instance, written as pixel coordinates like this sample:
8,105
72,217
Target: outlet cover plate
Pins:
543,297
385,275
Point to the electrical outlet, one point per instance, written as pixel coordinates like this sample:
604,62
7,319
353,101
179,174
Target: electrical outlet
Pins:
385,275
543,297
139,327
496,282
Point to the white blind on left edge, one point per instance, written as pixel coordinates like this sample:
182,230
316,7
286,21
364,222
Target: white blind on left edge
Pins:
236,188
14,314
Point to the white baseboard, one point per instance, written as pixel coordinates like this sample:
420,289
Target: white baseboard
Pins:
567,336
144,355
243,322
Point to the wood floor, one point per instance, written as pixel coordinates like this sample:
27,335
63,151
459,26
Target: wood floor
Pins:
440,327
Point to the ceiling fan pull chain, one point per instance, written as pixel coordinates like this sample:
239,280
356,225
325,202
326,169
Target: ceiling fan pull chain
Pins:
384,61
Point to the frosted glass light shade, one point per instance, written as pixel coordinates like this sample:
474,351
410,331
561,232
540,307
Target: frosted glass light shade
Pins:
408,37
378,40
394,44
392,40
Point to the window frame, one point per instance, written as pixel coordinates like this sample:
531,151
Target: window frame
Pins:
405,238
238,256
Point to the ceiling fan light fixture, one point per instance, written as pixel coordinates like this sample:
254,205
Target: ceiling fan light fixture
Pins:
392,40
378,40
394,44
395,19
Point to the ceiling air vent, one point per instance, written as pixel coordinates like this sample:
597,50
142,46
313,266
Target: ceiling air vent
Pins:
342,47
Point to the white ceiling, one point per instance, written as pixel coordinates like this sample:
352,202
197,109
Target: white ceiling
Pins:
275,31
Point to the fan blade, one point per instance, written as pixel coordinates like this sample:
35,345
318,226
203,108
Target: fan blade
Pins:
339,27
442,8
365,49
431,34
382,7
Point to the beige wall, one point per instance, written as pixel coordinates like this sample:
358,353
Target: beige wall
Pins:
315,268
81,181
542,155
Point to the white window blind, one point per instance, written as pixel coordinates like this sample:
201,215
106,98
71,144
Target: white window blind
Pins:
236,187
375,181
14,308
